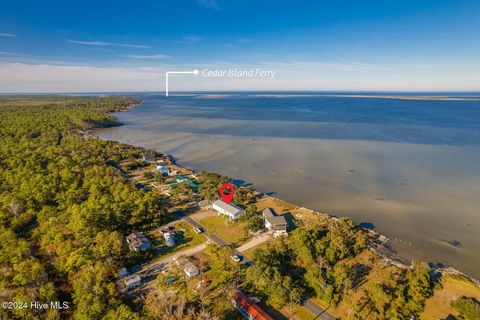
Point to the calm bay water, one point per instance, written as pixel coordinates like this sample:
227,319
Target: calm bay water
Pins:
409,167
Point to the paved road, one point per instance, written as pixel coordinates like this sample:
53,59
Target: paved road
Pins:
215,239
318,311
195,224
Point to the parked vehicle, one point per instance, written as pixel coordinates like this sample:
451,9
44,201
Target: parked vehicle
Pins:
236,258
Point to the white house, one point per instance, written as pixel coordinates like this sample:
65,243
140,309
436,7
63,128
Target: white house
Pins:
229,210
275,223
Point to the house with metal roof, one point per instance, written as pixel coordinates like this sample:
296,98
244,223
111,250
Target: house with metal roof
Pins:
248,308
275,223
227,209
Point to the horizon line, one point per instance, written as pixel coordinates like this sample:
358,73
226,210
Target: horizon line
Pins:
246,91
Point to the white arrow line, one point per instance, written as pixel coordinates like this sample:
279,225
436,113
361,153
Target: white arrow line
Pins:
195,72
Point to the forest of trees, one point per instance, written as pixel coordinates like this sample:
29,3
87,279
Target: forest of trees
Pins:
65,207
307,262
311,262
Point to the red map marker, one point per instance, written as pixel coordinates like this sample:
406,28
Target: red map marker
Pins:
227,197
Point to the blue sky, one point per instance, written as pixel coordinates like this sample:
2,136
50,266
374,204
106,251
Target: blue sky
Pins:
404,45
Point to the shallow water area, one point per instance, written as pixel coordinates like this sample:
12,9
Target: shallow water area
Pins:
411,168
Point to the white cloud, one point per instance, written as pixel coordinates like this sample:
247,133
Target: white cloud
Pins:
103,43
210,4
23,77
11,35
150,56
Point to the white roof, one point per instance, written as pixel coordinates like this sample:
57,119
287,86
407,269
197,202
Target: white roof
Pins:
230,208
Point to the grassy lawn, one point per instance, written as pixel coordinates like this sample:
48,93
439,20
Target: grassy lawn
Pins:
188,239
278,205
231,232
438,306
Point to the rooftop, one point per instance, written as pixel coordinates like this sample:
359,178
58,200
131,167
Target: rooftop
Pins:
271,216
269,212
230,208
251,308
149,157
138,237
276,220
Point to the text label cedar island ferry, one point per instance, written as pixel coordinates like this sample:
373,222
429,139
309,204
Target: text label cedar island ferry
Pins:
238,73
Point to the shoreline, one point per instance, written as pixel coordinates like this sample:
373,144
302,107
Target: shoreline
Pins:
379,247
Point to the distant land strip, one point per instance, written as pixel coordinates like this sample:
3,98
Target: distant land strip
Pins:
295,95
